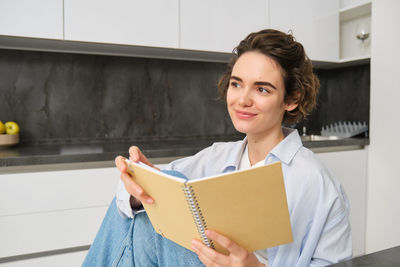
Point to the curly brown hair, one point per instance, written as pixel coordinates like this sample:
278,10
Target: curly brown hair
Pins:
301,84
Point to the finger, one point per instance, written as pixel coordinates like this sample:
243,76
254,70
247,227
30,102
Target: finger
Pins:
135,190
196,248
120,163
137,155
209,256
231,246
207,262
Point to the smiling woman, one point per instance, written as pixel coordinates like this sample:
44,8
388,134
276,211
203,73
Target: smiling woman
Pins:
256,101
288,56
268,82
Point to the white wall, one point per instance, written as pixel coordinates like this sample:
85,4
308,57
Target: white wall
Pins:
383,194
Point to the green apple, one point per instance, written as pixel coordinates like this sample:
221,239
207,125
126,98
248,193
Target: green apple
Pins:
2,128
12,127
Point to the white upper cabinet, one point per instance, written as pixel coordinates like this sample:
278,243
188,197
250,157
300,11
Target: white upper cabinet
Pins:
352,3
219,25
130,22
329,30
314,23
27,18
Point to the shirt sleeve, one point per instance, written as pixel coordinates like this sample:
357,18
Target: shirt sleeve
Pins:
329,238
123,203
319,217
335,242
262,256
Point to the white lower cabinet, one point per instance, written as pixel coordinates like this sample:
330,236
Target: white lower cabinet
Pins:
73,259
52,210
350,168
56,210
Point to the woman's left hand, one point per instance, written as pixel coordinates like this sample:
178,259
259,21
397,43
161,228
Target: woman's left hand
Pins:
238,256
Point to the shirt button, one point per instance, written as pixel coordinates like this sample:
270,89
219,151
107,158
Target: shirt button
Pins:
269,160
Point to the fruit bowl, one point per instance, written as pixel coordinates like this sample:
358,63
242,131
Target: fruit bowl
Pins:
9,139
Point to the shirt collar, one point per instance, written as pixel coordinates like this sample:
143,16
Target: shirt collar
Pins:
288,147
284,151
233,160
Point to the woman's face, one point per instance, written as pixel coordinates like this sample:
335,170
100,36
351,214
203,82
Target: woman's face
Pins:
255,95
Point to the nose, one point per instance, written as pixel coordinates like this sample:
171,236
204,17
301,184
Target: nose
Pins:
245,98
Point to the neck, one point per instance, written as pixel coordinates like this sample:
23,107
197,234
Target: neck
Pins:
260,146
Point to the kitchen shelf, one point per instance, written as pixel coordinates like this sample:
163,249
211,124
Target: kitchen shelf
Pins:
63,46
355,60
345,62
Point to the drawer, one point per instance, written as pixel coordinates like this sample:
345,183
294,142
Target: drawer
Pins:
32,192
45,231
60,260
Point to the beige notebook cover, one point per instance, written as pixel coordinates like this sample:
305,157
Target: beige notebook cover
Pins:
247,206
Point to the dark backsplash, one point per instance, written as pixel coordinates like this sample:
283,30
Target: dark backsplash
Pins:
60,97
344,96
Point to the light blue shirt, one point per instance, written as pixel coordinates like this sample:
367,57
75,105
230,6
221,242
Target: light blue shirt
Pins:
317,204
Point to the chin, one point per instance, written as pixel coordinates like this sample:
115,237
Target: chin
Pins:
244,126
242,129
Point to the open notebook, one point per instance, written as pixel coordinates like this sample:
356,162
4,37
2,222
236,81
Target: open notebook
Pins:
247,206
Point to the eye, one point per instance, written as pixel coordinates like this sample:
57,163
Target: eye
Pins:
263,90
235,84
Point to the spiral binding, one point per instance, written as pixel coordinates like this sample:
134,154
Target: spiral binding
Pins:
197,214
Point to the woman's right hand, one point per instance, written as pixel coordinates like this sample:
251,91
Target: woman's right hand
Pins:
133,188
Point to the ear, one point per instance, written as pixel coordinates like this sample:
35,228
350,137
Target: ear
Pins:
292,102
291,106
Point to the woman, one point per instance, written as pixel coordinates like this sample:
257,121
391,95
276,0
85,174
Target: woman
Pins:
269,81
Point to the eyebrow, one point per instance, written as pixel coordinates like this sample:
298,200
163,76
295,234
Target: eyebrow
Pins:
256,83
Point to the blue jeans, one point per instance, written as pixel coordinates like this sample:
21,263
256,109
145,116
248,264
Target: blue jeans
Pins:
124,242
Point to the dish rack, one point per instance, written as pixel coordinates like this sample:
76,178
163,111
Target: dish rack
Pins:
344,129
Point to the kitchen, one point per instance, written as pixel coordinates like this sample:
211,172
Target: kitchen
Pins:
81,70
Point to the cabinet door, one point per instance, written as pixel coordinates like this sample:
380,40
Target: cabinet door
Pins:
220,25
314,23
27,18
50,210
350,168
131,22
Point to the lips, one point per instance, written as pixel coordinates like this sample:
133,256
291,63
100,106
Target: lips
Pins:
244,115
